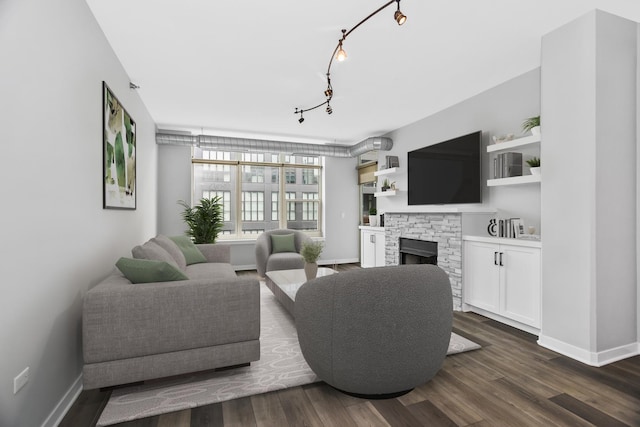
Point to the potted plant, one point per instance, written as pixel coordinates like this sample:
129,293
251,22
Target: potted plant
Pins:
534,165
373,217
385,185
310,253
204,220
531,124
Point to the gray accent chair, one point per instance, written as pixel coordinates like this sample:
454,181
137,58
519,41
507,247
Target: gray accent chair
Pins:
376,332
267,261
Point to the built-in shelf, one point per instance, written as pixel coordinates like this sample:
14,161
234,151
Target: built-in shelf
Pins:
387,171
516,143
526,179
387,193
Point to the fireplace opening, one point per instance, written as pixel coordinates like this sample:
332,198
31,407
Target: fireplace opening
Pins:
414,251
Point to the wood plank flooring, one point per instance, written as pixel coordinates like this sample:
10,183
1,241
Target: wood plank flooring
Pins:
511,381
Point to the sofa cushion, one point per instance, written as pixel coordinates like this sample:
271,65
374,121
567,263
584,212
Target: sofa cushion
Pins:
170,246
152,251
191,253
285,261
147,271
210,270
283,243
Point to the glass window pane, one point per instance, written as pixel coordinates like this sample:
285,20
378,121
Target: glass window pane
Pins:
217,180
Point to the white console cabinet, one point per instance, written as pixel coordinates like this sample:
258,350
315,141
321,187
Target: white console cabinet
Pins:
501,280
372,247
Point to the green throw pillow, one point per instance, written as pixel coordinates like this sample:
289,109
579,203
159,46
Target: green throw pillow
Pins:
283,243
191,253
146,270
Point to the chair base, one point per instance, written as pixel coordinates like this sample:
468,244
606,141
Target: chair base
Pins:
375,396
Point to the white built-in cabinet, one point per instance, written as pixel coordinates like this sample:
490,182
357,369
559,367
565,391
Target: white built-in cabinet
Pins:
372,247
501,280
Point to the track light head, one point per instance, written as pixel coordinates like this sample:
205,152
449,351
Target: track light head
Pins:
341,55
328,93
329,109
399,16
301,119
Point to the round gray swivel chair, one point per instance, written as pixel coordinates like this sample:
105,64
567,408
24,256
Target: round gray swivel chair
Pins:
268,261
376,332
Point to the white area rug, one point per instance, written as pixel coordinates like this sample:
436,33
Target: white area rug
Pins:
281,366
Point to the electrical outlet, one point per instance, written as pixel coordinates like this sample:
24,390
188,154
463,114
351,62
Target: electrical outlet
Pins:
21,380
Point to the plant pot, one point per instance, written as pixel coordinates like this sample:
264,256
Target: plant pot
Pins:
373,220
310,270
535,130
535,171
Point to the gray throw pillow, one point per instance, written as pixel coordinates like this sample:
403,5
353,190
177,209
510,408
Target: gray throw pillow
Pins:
153,251
170,246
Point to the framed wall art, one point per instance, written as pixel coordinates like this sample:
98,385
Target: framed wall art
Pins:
119,154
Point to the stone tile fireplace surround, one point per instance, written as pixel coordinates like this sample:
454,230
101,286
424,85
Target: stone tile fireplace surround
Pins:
443,228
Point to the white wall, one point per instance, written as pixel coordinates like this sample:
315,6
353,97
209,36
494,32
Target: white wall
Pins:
588,189
57,239
340,205
497,111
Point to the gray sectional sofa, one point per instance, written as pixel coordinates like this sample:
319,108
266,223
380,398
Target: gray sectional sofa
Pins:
135,332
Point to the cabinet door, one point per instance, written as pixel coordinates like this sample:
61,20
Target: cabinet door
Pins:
380,249
368,249
481,276
520,282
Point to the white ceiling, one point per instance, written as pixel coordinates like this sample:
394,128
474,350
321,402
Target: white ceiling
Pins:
240,67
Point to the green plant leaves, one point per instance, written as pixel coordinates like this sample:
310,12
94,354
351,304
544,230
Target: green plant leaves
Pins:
204,220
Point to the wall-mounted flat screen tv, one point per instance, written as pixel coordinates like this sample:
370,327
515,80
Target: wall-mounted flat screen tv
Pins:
446,173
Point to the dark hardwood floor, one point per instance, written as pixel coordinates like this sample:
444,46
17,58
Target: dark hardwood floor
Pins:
511,381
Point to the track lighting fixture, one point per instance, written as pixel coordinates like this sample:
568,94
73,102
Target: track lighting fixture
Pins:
340,55
399,16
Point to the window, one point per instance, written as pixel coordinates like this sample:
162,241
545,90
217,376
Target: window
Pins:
310,176
310,209
291,206
274,206
250,186
290,176
252,206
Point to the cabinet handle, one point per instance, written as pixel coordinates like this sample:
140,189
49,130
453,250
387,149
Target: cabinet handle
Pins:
501,259
495,258
372,238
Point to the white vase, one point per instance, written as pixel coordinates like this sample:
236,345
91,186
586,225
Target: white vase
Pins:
535,130
373,220
535,171
310,270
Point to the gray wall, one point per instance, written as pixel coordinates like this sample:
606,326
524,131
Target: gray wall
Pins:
589,302
57,239
499,110
340,212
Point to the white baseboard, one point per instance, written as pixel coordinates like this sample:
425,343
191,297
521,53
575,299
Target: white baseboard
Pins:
61,409
587,357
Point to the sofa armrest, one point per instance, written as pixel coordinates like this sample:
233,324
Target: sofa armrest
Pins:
121,320
216,252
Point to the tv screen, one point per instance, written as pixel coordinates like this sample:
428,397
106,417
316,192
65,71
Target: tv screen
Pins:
447,172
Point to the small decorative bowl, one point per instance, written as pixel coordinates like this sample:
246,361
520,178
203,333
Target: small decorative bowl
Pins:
502,138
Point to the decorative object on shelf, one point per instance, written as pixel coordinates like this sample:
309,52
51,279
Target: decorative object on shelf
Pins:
340,55
310,253
531,124
373,217
511,228
385,185
393,186
506,165
392,162
119,190
204,220
502,138
534,165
